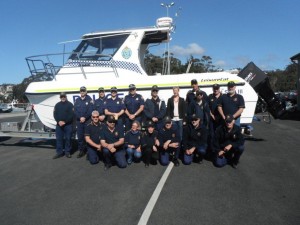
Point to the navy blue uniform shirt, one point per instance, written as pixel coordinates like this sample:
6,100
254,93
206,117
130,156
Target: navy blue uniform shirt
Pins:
133,102
148,140
83,107
231,104
94,131
191,96
111,137
213,104
63,111
194,137
114,106
168,134
133,138
99,105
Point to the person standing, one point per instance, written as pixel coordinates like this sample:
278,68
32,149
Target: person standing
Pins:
169,143
63,115
112,141
155,108
99,104
115,107
231,103
150,145
194,141
215,117
134,104
83,108
93,132
176,110
228,144
199,107
191,95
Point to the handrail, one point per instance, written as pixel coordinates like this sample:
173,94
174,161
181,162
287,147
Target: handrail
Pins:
50,68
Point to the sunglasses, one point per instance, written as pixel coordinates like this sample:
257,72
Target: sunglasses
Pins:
95,116
82,90
111,121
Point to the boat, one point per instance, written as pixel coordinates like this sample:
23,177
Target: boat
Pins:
116,58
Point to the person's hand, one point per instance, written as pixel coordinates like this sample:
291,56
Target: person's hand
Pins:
221,153
82,119
61,123
154,148
174,145
154,119
113,149
227,148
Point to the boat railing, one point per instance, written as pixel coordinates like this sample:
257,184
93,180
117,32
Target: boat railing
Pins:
49,64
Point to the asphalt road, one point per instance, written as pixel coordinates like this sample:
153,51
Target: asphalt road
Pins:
263,190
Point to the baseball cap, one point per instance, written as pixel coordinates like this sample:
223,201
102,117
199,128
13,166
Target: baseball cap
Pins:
154,88
195,117
216,86
167,119
62,94
131,87
101,89
199,92
150,124
194,81
229,118
231,84
113,89
111,119
82,88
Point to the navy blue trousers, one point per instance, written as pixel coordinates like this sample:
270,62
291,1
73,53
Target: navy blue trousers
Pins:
63,133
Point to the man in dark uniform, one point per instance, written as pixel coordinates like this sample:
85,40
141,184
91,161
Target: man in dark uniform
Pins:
150,145
63,115
169,140
231,103
99,104
199,107
155,108
228,144
215,117
134,104
115,107
191,95
83,108
194,141
93,133
112,141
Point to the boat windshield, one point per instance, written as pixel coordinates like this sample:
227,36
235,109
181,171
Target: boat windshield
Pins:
92,47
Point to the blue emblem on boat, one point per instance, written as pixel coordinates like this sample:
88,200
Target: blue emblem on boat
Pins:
126,53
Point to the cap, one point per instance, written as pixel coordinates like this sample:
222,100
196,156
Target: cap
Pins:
82,88
231,84
150,124
194,81
216,86
131,87
195,117
113,89
199,93
167,119
111,118
100,89
154,88
229,118
63,94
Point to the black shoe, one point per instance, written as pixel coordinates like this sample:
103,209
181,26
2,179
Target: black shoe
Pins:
58,156
81,154
234,165
68,155
176,162
146,165
107,166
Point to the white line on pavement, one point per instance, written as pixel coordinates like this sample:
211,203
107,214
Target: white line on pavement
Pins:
148,210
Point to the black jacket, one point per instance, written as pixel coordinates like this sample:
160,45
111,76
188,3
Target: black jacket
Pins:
182,108
63,111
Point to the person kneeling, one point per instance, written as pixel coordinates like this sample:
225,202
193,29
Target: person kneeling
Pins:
133,139
93,132
194,140
170,143
228,144
112,141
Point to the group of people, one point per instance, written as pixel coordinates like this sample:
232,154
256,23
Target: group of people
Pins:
123,131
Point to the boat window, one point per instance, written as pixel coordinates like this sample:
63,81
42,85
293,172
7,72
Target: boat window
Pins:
93,48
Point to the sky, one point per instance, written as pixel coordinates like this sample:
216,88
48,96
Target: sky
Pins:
233,32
